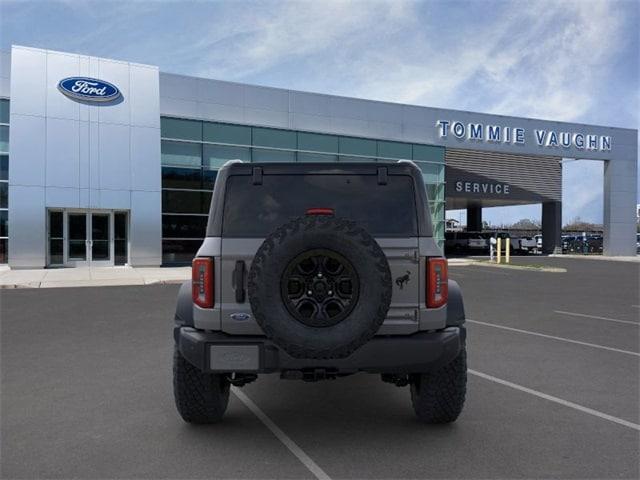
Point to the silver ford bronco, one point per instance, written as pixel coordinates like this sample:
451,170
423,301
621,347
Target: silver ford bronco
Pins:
317,271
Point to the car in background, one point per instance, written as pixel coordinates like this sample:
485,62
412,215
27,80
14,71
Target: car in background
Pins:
528,245
458,243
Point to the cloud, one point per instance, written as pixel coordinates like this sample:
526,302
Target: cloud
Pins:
570,60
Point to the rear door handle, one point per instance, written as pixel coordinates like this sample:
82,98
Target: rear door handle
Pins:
238,281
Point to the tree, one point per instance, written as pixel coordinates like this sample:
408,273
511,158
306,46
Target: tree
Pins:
579,225
525,224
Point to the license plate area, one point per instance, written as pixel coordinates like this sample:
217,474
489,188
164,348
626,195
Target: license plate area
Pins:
234,358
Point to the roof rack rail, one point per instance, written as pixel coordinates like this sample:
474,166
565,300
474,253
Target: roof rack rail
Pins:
410,162
231,162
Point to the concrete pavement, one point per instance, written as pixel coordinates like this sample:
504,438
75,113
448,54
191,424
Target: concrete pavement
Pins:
92,276
86,391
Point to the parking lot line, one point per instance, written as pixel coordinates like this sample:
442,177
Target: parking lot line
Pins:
562,339
596,317
560,401
280,435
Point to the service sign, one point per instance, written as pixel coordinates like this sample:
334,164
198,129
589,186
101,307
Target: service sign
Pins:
88,89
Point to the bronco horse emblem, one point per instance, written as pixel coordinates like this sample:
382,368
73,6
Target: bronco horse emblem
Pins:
400,281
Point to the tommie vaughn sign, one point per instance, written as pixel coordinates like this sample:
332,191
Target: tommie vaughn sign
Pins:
88,89
478,132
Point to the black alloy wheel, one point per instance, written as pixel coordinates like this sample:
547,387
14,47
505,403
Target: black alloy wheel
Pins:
320,287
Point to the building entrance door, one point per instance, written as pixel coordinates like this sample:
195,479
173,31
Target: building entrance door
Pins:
87,238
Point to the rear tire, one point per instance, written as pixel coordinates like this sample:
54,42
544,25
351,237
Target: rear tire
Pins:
200,397
438,396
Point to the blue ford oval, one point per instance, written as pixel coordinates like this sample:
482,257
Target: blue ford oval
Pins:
89,89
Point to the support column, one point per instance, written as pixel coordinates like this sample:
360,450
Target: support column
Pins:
474,218
620,191
551,227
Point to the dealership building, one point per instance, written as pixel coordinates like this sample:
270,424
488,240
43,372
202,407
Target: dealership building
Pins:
107,162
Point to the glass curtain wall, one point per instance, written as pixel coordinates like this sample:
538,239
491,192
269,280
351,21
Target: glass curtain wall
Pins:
4,181
193,151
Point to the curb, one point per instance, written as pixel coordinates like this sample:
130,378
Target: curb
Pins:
520,267
89,284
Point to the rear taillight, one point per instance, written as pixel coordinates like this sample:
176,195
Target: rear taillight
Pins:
202,282
437,282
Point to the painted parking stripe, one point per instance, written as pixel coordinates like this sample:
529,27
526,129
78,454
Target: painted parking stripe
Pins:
560,401
596,317
562,339
280,435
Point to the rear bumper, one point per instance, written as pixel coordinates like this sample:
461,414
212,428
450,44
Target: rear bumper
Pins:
219,352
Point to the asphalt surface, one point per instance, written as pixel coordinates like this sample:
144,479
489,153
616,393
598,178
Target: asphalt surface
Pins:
86,390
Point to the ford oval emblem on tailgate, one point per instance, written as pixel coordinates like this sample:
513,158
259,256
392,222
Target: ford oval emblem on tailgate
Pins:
240,316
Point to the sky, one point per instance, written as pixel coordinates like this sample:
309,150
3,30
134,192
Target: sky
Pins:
558,60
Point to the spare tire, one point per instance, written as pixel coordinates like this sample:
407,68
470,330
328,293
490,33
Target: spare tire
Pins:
320,287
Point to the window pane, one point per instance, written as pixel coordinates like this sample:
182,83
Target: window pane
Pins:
209,179
100,250
183,226
77,250
431,172
4,251
435,191
224,133
206,201
317,143
271,137
77,227
346,158
55,252
316,157
260,155
394,150
437,211
179,201
120,243
120,250
4,194
55,225
358,146
179,251
180,153
173,177
428,153
4,139
4,167
120,226
357,197
183,129
4,221
4,111
217,155
100,227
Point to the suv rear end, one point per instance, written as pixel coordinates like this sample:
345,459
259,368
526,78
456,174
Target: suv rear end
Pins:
231,321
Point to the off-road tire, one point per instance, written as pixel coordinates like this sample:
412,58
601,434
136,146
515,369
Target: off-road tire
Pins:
438,396
345,238
200,397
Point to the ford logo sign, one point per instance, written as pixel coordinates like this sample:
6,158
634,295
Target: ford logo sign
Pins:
89,89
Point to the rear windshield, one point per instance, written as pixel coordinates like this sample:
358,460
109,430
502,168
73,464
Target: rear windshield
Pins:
257,210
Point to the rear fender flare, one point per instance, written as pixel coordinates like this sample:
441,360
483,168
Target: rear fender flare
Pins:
455,306
184,306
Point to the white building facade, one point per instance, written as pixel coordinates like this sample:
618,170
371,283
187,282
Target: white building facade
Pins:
95,176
